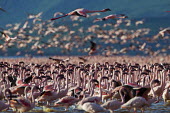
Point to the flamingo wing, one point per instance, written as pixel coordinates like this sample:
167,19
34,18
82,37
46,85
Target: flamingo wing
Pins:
80,13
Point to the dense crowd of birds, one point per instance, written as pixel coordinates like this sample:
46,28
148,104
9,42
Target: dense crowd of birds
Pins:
98,87
68,36
90,87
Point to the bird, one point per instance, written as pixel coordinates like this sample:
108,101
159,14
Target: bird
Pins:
164,31
166,94
136,102
81,12
22,104
2,9
66,101
114,104
113,16
92,48
56,60
7,37
83,59
92,107
5,105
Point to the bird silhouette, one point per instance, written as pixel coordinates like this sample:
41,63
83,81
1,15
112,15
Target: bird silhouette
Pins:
2,9
92,48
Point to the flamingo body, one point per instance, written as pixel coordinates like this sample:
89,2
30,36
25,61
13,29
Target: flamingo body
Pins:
112,105
136,102
80,12
3,106
92,107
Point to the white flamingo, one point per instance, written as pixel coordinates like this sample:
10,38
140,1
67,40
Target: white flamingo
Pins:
92,107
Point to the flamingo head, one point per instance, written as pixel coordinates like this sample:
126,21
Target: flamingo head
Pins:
107,9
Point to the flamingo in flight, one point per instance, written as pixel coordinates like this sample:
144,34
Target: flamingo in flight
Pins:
7,37
81,12
114,16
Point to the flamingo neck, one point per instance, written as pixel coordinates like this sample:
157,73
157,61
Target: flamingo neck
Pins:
122,97
90,11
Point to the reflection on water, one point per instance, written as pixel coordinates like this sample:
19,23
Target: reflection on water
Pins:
154,108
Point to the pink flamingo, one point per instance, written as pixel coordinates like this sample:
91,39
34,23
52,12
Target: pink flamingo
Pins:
81,12
22,104
66,101
93,101
3,105
114,16
139,102
114,104
48,96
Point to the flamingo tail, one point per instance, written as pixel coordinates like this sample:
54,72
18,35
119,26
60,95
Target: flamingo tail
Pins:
59,17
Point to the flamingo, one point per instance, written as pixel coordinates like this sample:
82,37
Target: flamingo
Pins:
2,9
81,12
5,105
49,96
66,101
165,31
158,89
139,102
92,48
114,104
114,16
92,107
136,102
22,104
96,99
7,37
166,94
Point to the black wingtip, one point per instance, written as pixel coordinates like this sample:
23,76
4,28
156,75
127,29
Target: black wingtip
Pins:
107,9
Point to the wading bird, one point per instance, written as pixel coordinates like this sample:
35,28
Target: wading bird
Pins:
114,16
81,12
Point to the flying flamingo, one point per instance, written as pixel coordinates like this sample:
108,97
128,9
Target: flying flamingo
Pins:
2,9
114,16
81,12
165,31
7,37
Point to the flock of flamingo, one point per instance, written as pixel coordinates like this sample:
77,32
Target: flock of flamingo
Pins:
90,87
98,87
35,36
